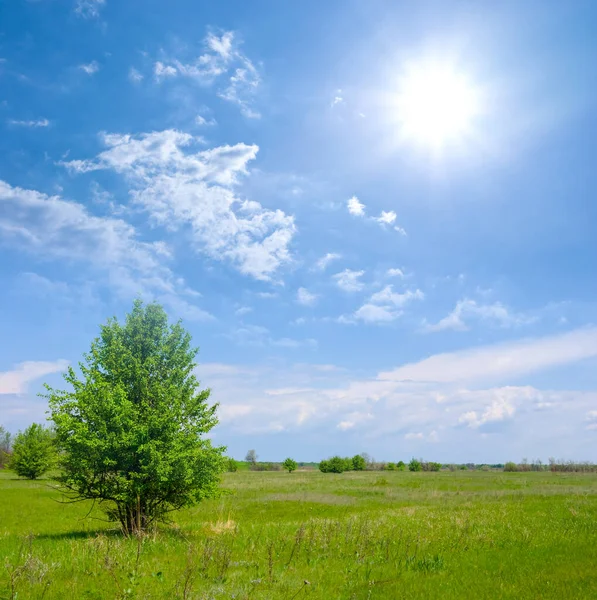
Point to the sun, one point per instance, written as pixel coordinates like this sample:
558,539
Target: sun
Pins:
436,105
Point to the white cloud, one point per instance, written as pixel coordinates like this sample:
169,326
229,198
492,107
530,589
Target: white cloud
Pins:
469,309
243,310
338,98
135,76
387,217
16,381
57,229
180,187
222,59
348,280
324,261
395,273
162,71
256,335
33,123
305,297
355,207
414,436
89,9
383,306
90,68
502,361
203,122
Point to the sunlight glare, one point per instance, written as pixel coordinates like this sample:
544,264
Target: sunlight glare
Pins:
435,105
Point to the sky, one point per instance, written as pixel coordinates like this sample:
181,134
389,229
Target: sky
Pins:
376,219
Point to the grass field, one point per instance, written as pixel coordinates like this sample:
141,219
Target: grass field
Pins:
448,535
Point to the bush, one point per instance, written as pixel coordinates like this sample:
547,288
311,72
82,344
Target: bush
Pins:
358,463
289,464
391,466
33,452
415,465
4,447
336,464
400,466
434,466
510,467
231,466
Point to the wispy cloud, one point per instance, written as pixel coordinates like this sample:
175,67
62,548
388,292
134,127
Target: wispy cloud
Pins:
135,76
395,273
222,61
32,123
179,187
501,361
89,9
337,99
349,280
305,297
17,380
466,310
58,229
325,260
90,68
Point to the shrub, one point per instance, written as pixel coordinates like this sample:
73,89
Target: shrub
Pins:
336,464
4,447
358,463
415,465
435,466
400,466
391,466
510,467
231,466
33,452
290,465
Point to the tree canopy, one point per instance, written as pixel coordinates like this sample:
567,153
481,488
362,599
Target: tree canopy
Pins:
132,427
33,452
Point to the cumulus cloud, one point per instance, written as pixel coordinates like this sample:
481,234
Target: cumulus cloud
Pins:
466,310
180,187
355,207
387,218
395,273
305,297
349,280
383,306
223,61
54,228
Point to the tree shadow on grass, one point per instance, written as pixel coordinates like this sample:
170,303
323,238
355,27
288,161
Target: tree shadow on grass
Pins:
80,535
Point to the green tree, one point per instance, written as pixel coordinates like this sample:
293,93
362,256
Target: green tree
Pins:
290,465
336,464
358,463
415,465
400,466
4,447
132,427
391,466
33,452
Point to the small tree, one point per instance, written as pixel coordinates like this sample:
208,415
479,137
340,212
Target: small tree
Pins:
415,465
33,452
132,427
358,463
290,465
391,466
400,466
231,465
4,447
511,467
251,457
336,464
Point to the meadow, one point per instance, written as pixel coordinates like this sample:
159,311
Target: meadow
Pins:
274,535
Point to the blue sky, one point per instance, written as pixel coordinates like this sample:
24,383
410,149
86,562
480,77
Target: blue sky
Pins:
377,219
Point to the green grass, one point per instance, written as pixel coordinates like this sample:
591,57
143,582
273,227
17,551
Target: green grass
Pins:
357,535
